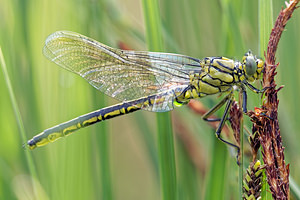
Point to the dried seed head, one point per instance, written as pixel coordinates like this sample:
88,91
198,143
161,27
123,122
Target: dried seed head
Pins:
252,181
235,120
267,126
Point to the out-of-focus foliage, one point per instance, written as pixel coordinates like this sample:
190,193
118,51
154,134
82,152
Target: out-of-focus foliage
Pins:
73,168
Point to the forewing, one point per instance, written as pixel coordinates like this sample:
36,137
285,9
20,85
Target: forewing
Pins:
124,75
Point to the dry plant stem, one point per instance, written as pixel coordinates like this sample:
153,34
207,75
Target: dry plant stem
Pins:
235,119
276,169
236,115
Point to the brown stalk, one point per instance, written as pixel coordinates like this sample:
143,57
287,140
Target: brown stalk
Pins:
236,115
266,123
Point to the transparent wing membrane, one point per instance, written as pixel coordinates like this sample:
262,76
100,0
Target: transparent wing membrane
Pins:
124,75
145,80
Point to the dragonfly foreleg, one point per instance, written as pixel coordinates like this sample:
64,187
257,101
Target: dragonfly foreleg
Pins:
254,89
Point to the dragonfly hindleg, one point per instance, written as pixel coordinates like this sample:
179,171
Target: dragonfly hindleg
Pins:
216,108
228,100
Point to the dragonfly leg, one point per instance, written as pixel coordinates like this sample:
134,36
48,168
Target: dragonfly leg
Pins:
222,123
228,100
244,103
215,109
254,89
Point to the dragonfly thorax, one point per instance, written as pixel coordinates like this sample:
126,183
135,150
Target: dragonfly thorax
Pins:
220,74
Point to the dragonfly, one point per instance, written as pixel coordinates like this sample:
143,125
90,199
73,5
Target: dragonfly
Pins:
143,80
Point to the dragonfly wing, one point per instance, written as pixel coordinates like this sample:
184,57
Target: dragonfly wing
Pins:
124,75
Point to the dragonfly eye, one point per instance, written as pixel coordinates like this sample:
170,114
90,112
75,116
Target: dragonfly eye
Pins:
251,65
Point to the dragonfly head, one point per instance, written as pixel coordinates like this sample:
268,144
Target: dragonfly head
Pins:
252,66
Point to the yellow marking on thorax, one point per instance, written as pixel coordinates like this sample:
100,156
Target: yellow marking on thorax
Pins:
242,77
226,62
187,94
191,94
220,75
255,75
207,89
215,82
195,93
236,77
224,88
224,58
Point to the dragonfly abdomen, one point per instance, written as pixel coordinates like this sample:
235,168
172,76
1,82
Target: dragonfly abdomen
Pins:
64,129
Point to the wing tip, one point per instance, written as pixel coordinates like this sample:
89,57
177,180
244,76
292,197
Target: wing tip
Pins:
58,34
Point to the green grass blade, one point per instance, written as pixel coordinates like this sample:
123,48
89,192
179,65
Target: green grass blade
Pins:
295,188
90,165
153,25
105,165
241,169
265,21
216,177
19,121
165,134
231,43
103,133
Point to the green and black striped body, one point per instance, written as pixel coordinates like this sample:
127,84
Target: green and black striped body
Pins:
141,80
216,75
64,129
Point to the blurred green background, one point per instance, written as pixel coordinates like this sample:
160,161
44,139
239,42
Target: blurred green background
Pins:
117,159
